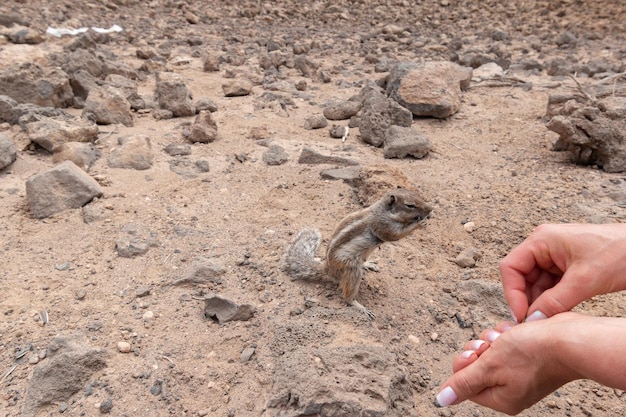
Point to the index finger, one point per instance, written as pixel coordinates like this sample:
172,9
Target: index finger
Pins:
520,269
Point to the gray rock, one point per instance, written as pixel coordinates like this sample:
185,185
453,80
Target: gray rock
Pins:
378,114
275,155
84,155
134,240
468,257
315,122
428,89
246,354
305,66
82,82
25,35
8,152
347,174
126,85
202,165
401,142
106,406
594,133
337,131
206,104
342,110
108,105
310,156
203,129
211,62
70,364
51,132
84,59
178,149
224,310
29,83
237,88
172,94
353,380
134,152
63,187
13,112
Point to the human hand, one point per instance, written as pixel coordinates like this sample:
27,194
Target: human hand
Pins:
512,367
559,266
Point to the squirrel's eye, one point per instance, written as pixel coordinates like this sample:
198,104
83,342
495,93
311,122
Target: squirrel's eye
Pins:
410,206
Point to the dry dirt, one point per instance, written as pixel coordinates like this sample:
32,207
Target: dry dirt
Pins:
492,164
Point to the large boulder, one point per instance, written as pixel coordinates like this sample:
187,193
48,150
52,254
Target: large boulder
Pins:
63,187
172,94
593,131
29,83
430,88
8,152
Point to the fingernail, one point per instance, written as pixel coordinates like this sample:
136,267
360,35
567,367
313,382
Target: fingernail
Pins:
467,353
506,327
513,316
537,315
445,397
476,344
491,336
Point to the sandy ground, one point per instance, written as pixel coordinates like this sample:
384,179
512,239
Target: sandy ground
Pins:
492,164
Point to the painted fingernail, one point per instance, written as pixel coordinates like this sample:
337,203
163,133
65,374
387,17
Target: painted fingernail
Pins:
513,316
491,336
537,315
506,327
466,354
445,397
476,344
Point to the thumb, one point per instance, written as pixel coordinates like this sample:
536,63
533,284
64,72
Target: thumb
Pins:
462,385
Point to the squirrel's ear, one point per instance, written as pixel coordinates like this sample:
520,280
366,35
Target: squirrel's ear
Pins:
391,199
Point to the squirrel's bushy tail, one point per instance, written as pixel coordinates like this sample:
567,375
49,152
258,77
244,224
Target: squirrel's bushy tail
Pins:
299,261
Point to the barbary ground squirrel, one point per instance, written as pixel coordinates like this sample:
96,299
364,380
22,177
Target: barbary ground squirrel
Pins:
391,218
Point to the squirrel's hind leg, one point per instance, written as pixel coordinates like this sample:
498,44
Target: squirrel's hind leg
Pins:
364,309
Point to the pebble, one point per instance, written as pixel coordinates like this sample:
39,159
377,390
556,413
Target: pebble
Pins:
469,227
414,339
315,122
106,406
246,354
123,347
148,315
33,359
434,336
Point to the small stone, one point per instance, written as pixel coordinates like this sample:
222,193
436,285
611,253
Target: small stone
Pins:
157,387
123,347
469,227
434,336
337,131
33,359
414,339
315,122
178,149
143,291
63,266
237,88
246,354
80,294
62,407
106,406
148,315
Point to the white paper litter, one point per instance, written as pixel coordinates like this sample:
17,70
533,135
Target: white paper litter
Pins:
58,32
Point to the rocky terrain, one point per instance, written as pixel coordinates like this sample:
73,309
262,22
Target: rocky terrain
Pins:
154,170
